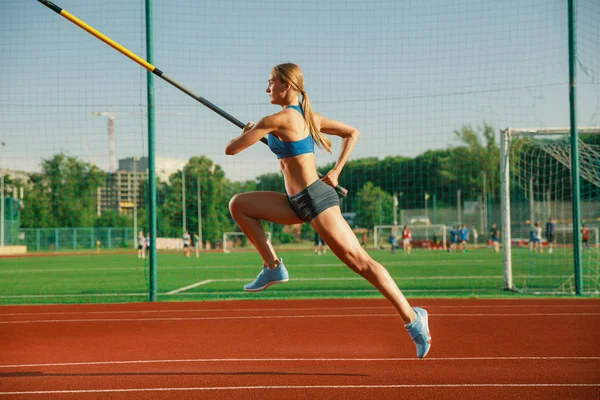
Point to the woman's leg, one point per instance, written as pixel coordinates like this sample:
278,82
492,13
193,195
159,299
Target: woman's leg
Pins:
343,243
248,209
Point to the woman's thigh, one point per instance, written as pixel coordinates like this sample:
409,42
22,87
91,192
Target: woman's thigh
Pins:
268,206
338,235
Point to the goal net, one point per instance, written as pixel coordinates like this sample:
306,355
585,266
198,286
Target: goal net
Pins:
536,186
237,241
431,237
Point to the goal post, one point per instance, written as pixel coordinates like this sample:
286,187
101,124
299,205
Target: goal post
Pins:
237,241
423,236
536,185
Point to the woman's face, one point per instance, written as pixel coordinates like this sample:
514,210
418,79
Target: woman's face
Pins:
276,89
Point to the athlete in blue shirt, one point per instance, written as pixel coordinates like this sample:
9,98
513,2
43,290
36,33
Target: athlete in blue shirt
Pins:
392,240
463,237
453,239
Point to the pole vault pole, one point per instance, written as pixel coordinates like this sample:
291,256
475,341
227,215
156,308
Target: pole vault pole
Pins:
63,13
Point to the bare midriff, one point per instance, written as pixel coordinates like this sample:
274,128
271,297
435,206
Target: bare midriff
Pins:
298,172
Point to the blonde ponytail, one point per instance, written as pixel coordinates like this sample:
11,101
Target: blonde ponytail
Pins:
291,73
318,137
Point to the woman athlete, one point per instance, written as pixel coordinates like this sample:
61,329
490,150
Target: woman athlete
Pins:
291,134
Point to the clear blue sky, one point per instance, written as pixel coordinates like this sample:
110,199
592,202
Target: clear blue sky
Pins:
405,73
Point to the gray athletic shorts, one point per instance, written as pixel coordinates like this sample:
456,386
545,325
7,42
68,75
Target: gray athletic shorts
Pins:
313,200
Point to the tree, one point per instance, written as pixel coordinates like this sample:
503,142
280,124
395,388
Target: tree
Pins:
465,166
375,206
270,182
63,194
36,213
114,219
214,194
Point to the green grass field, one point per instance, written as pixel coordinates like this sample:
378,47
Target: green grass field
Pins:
217,276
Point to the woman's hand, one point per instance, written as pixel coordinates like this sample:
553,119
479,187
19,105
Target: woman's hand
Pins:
252,133
248,126
331,178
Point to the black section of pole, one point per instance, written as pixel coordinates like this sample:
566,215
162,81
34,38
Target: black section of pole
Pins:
202,100
51,6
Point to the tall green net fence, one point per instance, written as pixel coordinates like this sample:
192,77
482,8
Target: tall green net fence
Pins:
429,85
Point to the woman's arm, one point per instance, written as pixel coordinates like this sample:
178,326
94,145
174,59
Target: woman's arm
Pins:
349,137
252,133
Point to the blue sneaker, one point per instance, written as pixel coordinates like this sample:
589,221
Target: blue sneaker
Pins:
418,330
268,277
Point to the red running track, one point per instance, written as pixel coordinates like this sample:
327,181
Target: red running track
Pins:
313,349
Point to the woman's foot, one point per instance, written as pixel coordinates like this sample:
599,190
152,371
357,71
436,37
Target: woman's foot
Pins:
268,277
418,330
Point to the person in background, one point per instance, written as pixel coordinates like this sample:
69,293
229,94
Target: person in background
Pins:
141,245
406,240
196,240
319,248
436,241
532,231
495,237
186,243
585,237
550,233
453,239
463,237
392,240
536,240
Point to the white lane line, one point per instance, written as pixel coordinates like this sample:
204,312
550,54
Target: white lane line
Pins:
193,285
307,387
389,308
252,360
395,315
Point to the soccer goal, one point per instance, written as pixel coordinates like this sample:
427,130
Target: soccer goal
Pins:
237,241
423,236
536,185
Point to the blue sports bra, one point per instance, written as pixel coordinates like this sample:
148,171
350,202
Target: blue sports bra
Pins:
291,149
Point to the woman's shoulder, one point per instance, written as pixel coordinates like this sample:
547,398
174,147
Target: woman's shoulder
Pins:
281,118
288,121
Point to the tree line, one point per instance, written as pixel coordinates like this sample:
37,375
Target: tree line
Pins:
64,193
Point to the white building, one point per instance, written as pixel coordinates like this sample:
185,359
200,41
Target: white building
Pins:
125,189
165,166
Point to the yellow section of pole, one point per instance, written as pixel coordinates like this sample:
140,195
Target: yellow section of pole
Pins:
108,40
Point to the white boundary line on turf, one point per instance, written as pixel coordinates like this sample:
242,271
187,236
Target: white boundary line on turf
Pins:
416,278
291,309
395,315
359,278
333,359
343,278
142,268
193,285
292,387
